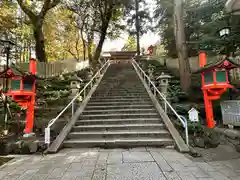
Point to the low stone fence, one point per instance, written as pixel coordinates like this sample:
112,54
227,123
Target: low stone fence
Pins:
194,64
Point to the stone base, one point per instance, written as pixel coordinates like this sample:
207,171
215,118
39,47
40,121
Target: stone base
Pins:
230,137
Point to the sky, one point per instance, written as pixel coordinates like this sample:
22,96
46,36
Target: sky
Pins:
145,41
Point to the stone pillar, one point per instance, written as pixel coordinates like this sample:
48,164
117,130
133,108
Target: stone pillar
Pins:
163,80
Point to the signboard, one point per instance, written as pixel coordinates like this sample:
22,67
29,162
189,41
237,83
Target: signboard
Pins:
193,115
47,135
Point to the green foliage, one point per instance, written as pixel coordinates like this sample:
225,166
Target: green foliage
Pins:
144,17
7,16
97,21
131,44
203,20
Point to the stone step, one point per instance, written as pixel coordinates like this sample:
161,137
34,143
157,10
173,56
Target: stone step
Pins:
120,100
114,127
120,94
121,91
146,96
117,87
120,143
120,116
133,106
119,121
122,85
125,111
115,83
114,103
118,134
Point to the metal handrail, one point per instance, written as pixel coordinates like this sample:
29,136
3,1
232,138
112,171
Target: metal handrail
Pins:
166,103
72,102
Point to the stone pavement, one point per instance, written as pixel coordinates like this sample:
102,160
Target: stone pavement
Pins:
118,164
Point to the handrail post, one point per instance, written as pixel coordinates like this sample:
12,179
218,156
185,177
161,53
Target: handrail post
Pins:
186,133
73,109
165,106
186,128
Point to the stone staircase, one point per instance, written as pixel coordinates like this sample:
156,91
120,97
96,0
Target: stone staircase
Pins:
120,113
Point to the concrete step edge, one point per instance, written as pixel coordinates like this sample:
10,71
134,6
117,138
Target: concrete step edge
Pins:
137,114
119,132
118,125
117,110
117,100
120,106
120,140
127,119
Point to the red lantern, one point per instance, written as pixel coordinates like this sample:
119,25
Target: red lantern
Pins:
215,82
22,90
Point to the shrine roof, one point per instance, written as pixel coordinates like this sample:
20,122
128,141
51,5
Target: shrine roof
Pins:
218,64
16,71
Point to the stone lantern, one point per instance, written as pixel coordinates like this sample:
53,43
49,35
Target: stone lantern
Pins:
90,74
163,81
75,86
150,72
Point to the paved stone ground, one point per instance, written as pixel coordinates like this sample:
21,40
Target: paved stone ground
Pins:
118,164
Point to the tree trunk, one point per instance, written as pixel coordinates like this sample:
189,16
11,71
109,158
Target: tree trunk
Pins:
184,66
102,37
84,45
89,52
40,44
89,46
137,27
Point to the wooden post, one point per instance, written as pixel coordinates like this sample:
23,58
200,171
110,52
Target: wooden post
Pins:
208,110
31,103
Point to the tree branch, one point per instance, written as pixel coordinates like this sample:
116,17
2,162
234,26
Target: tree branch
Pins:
30,13
48,4
69,50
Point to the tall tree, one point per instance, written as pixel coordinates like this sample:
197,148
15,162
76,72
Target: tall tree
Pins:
180,36
137,26
138,19
108,10
101,21
37,18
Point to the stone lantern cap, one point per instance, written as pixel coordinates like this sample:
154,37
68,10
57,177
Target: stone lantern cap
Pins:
164,76
233,6
76,78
